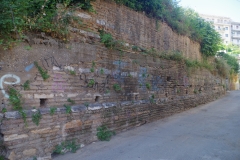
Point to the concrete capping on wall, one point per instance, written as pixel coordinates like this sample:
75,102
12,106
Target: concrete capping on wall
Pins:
74,108
92,107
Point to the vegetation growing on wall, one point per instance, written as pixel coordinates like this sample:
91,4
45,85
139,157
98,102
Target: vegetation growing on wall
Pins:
104,134
41,71
26,85
53,17
221,67
36,117
49,16
117,87
231,61
71,101
68,109
183,21
15,99
53,110
231,49
2,157
66,146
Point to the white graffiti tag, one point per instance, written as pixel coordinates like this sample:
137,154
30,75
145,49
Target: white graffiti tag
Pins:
9,83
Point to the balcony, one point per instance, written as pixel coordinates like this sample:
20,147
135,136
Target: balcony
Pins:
236,36
236,29
222,22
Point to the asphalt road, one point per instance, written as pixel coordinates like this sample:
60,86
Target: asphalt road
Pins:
207,132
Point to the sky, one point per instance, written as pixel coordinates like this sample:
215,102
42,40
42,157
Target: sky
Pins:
225,8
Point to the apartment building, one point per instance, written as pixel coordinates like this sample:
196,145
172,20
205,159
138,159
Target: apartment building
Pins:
235,33
222,25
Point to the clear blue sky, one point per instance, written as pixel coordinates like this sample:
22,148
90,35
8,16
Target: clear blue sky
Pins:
226,8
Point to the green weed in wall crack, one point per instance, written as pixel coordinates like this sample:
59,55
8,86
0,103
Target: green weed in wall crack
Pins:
26,85
195,91
66,146
107,39
36,117
92,69
41,71
117,87
53,110
93,64
15,99
71,101
91,83
101,71
135,48
104,134
73,73
178,91
68,109
86,104
4,110
151,99
148,85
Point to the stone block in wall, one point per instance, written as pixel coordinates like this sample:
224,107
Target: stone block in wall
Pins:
71,95
29,152
46,130
95,106
43,96
14,137
110,104
79,108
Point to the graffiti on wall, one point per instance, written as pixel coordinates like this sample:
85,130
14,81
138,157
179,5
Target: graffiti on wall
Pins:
97,86
118,74
142,77
59,83
3,81
50,61
157,82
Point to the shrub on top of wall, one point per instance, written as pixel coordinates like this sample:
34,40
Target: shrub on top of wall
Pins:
19,16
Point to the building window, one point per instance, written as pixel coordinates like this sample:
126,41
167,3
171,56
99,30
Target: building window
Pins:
226,35
226,42
226,28
237,27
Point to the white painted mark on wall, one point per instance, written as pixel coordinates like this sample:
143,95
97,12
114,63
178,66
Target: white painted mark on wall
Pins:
2,80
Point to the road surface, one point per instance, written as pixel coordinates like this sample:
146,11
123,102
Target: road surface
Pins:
207,132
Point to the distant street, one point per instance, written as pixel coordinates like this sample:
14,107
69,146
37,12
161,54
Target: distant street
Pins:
208,132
